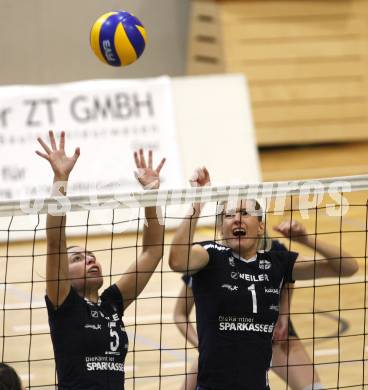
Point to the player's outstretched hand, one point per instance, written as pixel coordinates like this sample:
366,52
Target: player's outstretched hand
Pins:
145,174
200,178
293,230
60,163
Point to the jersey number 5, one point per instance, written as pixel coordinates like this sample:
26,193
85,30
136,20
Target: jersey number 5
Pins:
114,345
252,289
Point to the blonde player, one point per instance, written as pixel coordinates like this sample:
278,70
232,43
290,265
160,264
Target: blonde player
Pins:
225,257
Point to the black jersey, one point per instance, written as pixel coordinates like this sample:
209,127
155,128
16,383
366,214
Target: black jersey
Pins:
90,342
276,246
237,306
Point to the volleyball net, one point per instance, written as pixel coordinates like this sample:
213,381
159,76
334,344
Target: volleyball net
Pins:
328,314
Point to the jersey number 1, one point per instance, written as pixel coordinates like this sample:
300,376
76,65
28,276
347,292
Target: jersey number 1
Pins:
252,289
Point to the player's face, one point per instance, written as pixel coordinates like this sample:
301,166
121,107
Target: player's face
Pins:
84,271
241,227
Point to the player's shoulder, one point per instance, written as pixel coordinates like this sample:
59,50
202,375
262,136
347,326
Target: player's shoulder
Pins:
112,298
279,256
72,306
216,253
112,294
278,246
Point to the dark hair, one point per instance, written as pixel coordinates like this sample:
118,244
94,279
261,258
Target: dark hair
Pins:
9,379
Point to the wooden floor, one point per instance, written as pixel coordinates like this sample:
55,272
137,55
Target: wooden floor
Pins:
157,358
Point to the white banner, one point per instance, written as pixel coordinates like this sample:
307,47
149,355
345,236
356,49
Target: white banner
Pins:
108,119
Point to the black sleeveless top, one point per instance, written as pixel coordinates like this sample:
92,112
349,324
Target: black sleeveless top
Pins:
89,340
237,306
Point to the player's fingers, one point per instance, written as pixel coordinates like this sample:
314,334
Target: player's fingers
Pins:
205,170
142,159
43,155
285,224
76,154
276,228
150,159
45,147
202,174
285,229
194,178
136,159
52,140
296,228
159,166
281,226
294,224
288,225
62,141
288,231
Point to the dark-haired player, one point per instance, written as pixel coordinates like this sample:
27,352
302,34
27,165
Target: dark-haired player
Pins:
87,331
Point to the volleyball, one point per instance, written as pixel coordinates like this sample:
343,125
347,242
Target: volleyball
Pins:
118,38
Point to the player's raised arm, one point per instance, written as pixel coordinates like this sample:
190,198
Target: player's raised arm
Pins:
138,274
333,261
57,282
185,257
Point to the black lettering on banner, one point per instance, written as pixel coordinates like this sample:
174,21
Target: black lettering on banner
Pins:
4,113
123,107
33,117
119,106
79,116
30,120
84,111
103,109
12,173
49,108
140,104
